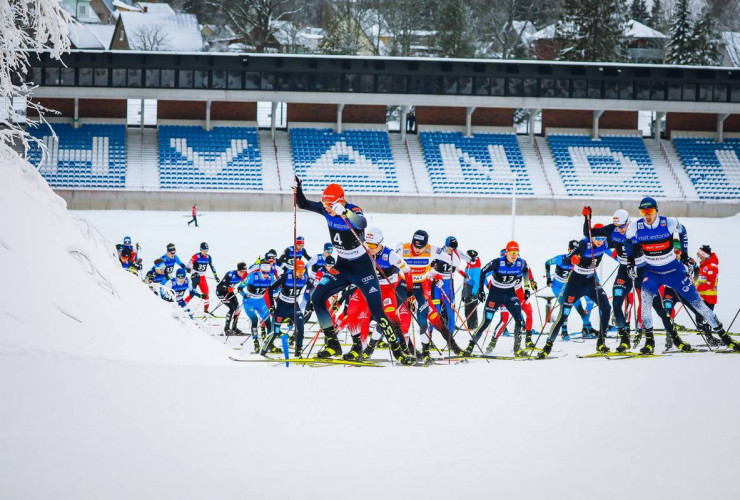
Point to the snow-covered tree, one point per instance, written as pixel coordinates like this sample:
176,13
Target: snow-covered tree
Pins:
704,46
657,17
592,30
639,12
454,29
26,25
343,31
680,35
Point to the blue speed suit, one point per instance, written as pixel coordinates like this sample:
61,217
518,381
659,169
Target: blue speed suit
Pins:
563,267
445,265
253,290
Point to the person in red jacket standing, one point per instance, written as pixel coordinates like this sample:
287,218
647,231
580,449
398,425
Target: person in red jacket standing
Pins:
706,284
194,212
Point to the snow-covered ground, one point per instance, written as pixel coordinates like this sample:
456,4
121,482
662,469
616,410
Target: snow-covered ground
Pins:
129,401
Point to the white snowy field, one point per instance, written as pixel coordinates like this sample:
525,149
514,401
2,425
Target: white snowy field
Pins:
130,401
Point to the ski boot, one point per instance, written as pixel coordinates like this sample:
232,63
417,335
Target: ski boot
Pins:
356,351
680,344
411,348
227,332
237,332
545,352
368,352
456,350
588,332
468,350
649,346
624,340
332,347
518,351
291,340
726,339
637,339
256,345
492,344
272,348
382,344
565,336
528,340
426,358
711,340
601,344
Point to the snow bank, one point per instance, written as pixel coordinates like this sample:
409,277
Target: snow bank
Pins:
64,293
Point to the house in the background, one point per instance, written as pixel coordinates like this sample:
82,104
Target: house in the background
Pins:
157,27
644,44
81,10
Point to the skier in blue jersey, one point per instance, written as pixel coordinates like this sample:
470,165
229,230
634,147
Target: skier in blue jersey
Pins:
346,223
652,237
582,282
253,290
225,292
180,290
171,260
286,310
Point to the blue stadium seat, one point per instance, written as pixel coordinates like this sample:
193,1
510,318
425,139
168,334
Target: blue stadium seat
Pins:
91,156
224,158
612,165
713,167
481,164
360,160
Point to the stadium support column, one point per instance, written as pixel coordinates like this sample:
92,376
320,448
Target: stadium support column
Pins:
340,108
404,121
76,123
721,117
595,130
469,121
273,118
659,115
532,113
208,115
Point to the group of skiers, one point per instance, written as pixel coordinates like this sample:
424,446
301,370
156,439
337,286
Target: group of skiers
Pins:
413,283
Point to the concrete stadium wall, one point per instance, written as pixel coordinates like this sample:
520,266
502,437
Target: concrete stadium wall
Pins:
572,118
283,202
327,113
445,115
699,122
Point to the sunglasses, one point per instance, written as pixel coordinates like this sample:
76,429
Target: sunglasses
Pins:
372,245
513,253
647,211
600,239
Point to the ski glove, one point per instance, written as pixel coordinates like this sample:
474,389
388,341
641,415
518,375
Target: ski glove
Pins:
632,270
338,208
533,285
549,281
586,211
527,294
215,276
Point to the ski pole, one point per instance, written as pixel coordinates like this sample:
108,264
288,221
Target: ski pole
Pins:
602,333
472,337
733,321
547,320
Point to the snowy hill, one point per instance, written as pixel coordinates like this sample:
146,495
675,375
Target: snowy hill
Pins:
64,292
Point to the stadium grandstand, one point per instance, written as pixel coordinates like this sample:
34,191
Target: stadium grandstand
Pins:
461,153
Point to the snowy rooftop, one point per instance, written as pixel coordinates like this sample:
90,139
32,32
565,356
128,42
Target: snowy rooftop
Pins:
181,32
91,36
635,29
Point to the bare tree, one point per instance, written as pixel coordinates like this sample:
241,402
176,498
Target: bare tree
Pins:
150,37
255,21
345,29
404,19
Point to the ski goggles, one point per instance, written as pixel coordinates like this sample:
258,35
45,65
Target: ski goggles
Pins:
600,239
648,211
513,253
372,245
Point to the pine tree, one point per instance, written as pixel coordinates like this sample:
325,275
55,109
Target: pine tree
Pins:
704,46
454,30
657,17
592,30
639,12
681,33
